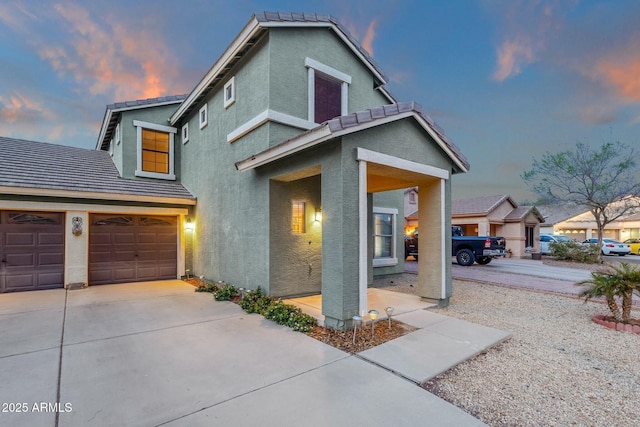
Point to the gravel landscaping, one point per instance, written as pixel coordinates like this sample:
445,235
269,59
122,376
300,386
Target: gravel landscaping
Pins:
558,368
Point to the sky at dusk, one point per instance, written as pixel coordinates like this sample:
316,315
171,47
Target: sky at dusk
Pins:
507,80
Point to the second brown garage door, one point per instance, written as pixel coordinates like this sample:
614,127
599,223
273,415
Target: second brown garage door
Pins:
132,248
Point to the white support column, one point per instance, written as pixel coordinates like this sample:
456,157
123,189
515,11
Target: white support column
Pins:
444,242
362,237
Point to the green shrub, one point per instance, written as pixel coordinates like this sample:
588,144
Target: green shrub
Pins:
277,311
207,287
226,292
573,251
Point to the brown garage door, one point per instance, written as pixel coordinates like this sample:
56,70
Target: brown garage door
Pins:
31,250
132,248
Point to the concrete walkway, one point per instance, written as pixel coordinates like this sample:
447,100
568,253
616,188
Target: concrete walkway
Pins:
158,353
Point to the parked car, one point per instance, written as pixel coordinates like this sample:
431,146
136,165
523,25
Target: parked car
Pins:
634,244
546,239
611,246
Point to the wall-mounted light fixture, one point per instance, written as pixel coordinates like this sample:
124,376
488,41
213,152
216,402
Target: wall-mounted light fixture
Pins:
188,224
76,225
318,215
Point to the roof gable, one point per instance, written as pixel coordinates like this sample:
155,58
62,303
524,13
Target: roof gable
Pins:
355,122
253,32
480,205
112,114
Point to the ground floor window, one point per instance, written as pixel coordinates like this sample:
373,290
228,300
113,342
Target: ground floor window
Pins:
384,236
297,217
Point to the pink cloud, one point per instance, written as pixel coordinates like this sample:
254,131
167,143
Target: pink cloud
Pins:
512,56
622,73
367,42
103,56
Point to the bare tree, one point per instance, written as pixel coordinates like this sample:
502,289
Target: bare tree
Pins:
602,180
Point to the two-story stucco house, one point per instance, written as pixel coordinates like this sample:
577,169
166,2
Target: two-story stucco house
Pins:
284,168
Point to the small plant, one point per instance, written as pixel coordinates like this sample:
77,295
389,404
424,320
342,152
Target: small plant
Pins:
257,302
226,292
572,251
207,287
618,282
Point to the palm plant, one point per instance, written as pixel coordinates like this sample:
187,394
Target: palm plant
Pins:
618,282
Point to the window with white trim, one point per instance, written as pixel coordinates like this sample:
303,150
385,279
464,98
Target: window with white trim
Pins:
328,91
185,133
230,92
384,237
202,116
155,146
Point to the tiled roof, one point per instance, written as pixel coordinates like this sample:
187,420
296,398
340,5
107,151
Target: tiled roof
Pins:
479,205
145,102
316,18
39,165
521,212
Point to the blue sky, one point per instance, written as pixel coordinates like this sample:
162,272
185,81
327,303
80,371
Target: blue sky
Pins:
506,79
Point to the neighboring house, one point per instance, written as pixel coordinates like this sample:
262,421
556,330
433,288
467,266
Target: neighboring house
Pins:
489,215
578,224
500,216
297,156
410,210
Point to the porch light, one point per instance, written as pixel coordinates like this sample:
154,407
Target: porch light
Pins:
318,215
373,314
188,224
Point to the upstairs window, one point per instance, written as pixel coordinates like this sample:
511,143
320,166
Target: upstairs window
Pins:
328,91
155,151
155,158
185,133
230,92
203,116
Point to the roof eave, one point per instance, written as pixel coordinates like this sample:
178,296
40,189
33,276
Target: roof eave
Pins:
121,197
247,33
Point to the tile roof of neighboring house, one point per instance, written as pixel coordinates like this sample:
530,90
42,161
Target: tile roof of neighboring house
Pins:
352,123
521,212
554,214
112,114
479,205
249,37
64,171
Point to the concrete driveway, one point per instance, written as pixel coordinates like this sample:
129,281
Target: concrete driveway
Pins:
158,353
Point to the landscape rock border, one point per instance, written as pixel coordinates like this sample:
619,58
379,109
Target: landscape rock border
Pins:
612,324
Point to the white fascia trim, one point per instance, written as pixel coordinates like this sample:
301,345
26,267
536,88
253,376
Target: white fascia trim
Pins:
398,163
103,128
339,33
245,35
45,192
307,140
267,116
440,142
325,69
154,126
